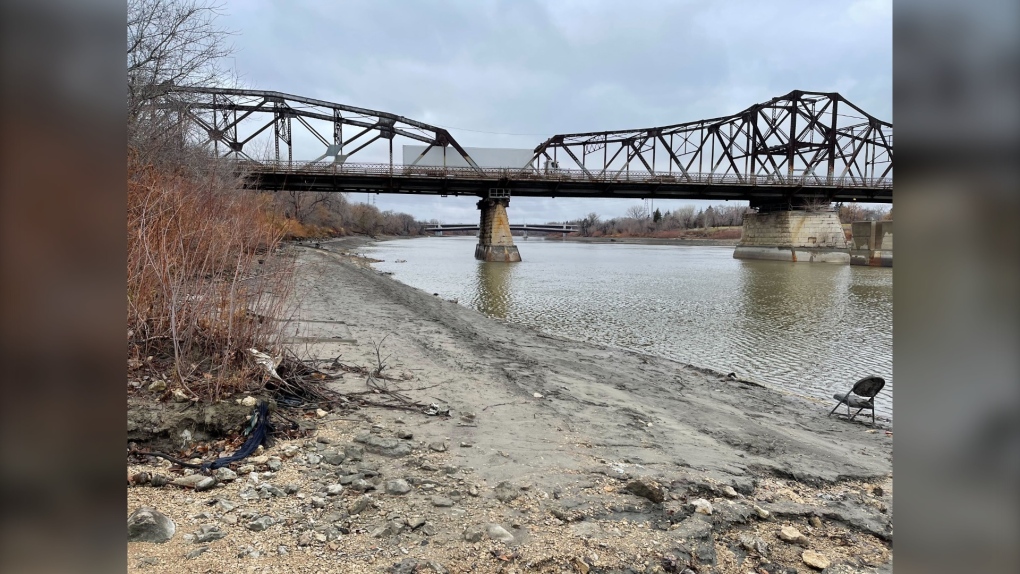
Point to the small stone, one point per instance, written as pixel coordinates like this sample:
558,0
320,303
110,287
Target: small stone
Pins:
263,459
473,534
405,434
438,446
334,490
333,457
318,502
815,522
581,566
363,503
729,492
271,489
442,501
815,559
224,474
205,484
416,522
261,523
397,487
505,492
249,401
755,544
274,463
762,513
354,452
537,395
472,490
313,458
306,538
391,528
466,445
497,532
196,552
792,535
646,489
179,396
281,550
158,386
209,533
189,481
291,488
362,485
320,413
246,469
702,506
149,525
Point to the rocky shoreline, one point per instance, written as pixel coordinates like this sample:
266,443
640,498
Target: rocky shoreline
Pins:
556,456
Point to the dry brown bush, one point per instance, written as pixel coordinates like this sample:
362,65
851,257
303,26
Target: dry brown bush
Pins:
199,292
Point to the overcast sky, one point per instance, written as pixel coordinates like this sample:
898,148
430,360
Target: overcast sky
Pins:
511,73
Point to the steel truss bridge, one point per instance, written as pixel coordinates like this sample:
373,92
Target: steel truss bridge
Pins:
798,148
551,228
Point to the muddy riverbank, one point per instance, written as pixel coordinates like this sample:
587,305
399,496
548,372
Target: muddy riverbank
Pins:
557,456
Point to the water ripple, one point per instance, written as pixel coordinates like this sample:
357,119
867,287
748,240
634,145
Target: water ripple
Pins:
813,328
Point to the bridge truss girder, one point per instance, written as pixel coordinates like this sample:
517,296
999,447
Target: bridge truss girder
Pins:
817,137
230,119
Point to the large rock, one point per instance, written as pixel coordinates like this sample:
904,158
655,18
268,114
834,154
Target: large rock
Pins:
150,525
645,489
397,486
497,532
390,447
792,535
815,559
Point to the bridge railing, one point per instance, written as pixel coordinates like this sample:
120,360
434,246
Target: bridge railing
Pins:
564,175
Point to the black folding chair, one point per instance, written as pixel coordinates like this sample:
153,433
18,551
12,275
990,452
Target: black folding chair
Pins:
861,397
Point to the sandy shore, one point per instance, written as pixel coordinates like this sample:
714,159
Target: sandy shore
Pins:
588,457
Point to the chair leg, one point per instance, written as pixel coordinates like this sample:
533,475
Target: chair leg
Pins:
834,409
855,414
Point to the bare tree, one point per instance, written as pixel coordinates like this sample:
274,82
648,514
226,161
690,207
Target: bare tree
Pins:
175,42
300,205
169,42
588,224
637,212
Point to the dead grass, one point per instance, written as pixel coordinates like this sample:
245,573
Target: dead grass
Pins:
197,285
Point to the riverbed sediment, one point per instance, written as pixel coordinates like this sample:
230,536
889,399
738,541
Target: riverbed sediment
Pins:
586,457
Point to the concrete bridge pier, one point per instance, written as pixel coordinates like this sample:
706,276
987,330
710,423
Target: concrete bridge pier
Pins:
495,243
872,243
793,235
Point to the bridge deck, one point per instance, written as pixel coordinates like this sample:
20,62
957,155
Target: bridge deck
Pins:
383,178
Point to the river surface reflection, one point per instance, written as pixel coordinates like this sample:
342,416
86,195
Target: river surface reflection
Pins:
812,328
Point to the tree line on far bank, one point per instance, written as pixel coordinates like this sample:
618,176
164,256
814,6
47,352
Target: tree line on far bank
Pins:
719,221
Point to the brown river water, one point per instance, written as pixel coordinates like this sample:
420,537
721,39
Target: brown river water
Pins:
813,329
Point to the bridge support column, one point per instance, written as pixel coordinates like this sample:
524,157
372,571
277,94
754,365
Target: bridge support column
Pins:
495,243
872,243
793,235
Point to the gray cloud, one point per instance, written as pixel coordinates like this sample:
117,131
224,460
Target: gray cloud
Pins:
540,68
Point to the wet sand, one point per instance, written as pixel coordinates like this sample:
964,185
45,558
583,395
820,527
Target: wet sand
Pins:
569,427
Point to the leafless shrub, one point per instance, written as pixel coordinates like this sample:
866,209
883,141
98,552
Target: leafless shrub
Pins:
197,295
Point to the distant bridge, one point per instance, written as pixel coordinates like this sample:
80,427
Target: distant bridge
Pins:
551,228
